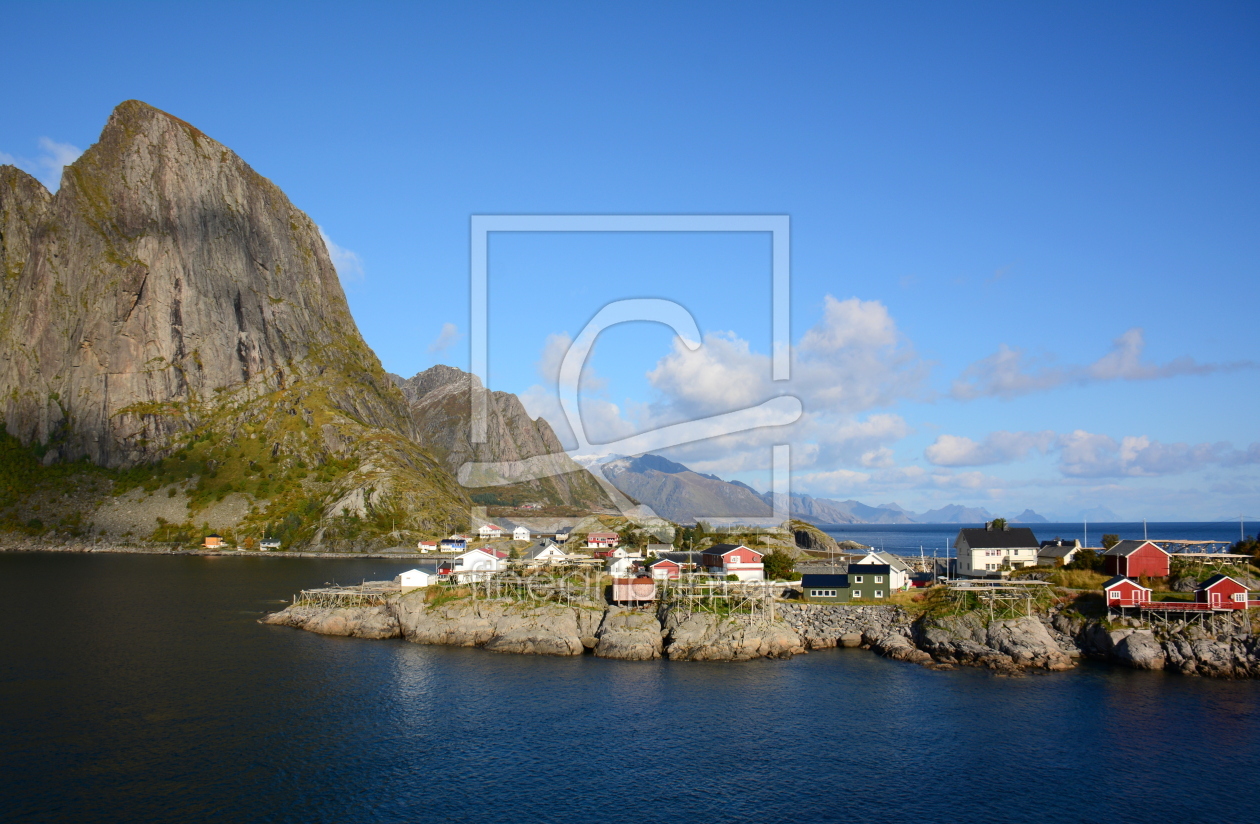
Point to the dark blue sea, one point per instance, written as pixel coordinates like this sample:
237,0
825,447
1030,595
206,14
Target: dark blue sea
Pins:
908,539
142,689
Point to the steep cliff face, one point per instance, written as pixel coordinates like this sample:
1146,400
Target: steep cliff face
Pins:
163,271
23,204
441,410
168,302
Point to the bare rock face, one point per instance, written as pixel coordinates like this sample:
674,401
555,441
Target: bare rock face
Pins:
499,626
706,637
169,295
441,407
1006,646
164,271
629,635
24,202
355,622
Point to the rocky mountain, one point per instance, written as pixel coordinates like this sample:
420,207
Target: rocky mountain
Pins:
1029,517
675,492
169,307
440,403
826,511
954,514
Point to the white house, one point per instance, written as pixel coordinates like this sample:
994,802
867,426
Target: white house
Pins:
991,553
898,570
1058,552
427,546
545,553
269,545
488,531
620,567
520,534
482,560
734,559
414,578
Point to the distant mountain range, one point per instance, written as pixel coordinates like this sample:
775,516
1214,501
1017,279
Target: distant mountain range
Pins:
682,495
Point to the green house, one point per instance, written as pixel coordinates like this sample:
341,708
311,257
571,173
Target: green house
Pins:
869,582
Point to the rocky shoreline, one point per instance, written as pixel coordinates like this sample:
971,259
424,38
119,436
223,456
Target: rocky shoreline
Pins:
1052,642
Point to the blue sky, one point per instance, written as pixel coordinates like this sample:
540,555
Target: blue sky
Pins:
1025,237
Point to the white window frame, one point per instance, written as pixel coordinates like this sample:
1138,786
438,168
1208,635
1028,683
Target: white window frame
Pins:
879,579
879,593
857,579
857,593
1115,595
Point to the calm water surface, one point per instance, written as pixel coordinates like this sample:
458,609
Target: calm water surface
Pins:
137,688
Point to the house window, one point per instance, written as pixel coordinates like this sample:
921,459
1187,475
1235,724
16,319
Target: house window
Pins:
734,559
1240,596
1115,596
879,593
857,593
822,593
857,579
879,579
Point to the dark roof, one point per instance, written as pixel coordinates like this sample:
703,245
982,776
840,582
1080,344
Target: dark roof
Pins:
1015,536
869,569
1118,579
682,557
1072,544
841,581
1056,551
1125,548
1217,578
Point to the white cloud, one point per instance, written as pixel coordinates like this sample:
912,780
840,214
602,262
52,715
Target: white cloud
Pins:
46,166
445,339
997,447
1088,455
1009,372
347,263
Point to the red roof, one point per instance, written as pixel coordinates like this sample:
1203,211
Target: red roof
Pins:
665,561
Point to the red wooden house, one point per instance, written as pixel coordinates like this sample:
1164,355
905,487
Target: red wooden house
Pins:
602,540
1222,592
666,568
1125,592
1136,558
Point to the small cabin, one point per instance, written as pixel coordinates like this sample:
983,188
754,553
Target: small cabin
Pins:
1133,559
1222,592
426,546
1125,592
212,542
520,534
455,542
269,545
414,578
634,590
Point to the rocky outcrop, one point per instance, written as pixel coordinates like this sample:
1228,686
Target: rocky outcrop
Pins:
500,626
1221,649
708,637
356,622
441,409
1006,645
629,635
812,539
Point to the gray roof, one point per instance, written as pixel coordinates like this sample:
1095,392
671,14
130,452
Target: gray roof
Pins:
892,560
1126,548
1056,551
